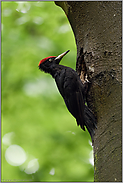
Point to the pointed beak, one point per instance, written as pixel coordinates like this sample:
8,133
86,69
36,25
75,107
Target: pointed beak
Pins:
58,58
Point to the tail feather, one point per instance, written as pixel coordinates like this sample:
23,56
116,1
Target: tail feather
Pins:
90,122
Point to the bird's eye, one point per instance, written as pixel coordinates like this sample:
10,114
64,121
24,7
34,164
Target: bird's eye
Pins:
50,59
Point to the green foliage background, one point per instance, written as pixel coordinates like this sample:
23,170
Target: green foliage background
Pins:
32,108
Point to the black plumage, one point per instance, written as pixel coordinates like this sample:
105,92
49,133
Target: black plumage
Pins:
72,90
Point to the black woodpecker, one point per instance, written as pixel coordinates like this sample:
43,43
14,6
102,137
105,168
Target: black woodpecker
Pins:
72,90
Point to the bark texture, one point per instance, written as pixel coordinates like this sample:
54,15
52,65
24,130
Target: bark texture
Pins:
97,29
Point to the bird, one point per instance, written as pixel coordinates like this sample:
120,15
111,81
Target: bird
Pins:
72,90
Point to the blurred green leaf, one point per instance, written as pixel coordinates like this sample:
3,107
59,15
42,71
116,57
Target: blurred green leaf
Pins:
34,115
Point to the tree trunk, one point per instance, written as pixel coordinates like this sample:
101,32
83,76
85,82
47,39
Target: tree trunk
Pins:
97,29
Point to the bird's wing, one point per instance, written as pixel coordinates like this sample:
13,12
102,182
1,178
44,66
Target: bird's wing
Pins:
75,105
74,100
69,87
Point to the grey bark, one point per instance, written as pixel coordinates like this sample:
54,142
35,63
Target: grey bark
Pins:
97,29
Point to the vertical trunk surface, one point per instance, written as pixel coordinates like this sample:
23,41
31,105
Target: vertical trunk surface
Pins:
97,29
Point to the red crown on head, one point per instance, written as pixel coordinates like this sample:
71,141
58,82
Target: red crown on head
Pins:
43,60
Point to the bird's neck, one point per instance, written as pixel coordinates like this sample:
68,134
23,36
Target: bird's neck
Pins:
52,69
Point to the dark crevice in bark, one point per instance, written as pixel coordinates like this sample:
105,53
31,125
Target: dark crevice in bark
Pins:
81,66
